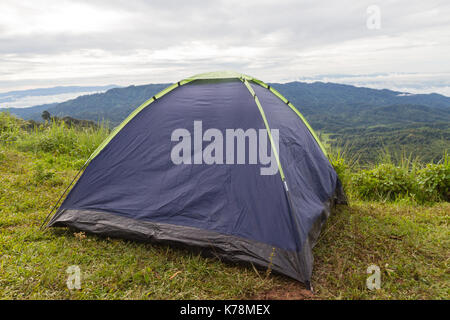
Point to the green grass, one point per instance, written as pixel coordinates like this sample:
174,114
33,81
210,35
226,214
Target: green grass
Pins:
410,244
407,239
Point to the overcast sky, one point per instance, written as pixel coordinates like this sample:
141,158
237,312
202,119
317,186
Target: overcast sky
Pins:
99,42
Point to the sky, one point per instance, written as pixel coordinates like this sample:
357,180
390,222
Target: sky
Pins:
399,45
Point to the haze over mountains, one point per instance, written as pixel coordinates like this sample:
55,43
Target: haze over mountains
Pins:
32,97
365,119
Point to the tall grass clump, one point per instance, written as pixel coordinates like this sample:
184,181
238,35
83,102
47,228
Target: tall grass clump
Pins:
394,177
54,137
9,128
345,164
434,181
384,182
405,178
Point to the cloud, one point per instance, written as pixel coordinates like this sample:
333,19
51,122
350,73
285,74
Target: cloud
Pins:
403,82
34,100
45,43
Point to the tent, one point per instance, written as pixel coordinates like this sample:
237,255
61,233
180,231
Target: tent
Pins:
220,161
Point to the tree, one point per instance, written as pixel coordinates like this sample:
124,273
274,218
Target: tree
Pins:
46,115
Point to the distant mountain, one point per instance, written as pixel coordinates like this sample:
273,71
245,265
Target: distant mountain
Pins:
322,104
332,106
363,121
366,118
334,95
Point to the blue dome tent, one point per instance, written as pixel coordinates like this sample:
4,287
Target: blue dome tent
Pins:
172,173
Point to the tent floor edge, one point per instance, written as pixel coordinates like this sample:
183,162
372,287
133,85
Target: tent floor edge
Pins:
230,248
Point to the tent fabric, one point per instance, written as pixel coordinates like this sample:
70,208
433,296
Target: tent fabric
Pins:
131,189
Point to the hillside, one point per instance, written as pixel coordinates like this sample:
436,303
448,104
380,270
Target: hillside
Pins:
362,118
424,142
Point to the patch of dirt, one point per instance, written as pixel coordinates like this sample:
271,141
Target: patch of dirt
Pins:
286,291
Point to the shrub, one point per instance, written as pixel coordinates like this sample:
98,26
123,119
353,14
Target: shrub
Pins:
340,166
388,182
56,143
433,182
384,182
344,165
9,128
58,139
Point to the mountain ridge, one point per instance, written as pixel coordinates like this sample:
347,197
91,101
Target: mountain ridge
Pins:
363,120
315,100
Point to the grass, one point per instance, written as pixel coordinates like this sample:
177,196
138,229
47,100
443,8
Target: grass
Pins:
410,244
406,238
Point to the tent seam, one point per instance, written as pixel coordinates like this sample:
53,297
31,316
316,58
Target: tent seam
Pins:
283,178
293,108
266,123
